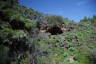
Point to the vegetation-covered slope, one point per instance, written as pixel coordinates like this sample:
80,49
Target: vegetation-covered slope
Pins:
31,37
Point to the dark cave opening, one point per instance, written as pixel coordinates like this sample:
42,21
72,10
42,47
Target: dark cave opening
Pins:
55,30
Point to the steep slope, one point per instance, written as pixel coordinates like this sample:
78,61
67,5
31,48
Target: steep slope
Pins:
31,37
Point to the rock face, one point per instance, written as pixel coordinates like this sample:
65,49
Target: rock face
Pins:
54,30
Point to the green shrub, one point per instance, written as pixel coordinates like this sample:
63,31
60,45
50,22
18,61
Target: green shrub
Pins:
9,33
30,24
55,20
83,59
4,59
25,61
43,60
19,34
4,50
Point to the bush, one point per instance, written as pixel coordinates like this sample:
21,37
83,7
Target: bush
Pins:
25,61
54,20
30,24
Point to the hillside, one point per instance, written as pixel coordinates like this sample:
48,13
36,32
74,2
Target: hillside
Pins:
30,37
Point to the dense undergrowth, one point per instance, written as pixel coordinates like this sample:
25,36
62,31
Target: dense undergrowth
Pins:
22,43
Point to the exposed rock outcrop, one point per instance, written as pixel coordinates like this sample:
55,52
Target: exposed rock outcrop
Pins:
54,30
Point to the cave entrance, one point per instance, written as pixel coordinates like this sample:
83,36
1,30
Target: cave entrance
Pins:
55,30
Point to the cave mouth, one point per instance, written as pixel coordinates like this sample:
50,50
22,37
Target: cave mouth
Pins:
55,30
